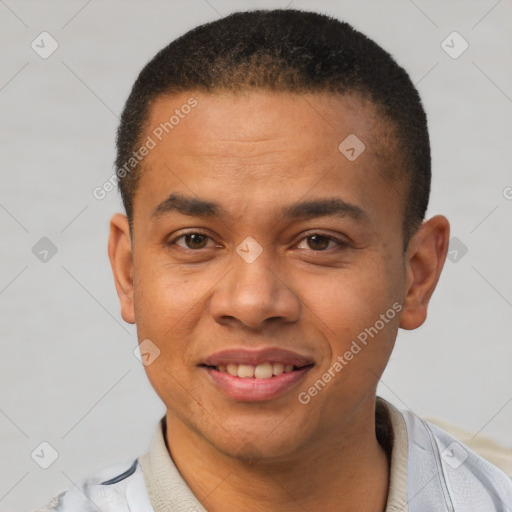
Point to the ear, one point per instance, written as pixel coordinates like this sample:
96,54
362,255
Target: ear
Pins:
425,257
120,255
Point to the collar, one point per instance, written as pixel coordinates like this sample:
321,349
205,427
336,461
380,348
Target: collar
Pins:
168,492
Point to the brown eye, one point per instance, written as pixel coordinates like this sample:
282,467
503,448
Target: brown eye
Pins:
196,241
192,241
318,242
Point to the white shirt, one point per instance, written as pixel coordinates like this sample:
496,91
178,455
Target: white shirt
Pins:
430,472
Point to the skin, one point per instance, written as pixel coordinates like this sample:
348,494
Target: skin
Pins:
255,153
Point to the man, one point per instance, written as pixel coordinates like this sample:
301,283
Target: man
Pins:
275,171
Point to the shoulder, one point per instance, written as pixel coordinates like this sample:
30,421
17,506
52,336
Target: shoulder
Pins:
441,467
118,488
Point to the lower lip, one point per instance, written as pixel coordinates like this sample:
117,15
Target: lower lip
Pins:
256,390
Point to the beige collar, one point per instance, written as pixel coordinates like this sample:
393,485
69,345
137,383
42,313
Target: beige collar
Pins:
168,492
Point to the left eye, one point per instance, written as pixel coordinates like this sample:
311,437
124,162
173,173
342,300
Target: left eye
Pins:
320,242
192,240
316,242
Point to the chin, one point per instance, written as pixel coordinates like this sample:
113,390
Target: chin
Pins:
253,445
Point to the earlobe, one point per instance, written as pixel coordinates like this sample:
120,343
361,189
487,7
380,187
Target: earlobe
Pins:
425,259
121,260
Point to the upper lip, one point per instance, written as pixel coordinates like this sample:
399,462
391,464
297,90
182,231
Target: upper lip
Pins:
255,357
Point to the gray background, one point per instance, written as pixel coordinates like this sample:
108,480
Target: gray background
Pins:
68,373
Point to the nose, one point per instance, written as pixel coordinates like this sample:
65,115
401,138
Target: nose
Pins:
254,295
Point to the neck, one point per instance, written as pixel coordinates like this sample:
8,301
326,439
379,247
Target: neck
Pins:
340,471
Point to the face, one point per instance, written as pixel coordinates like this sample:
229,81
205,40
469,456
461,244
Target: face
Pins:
267,266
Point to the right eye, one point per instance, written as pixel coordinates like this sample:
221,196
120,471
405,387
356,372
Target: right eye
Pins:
191,241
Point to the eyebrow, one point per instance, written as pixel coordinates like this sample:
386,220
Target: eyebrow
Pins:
334,206
194,207
188,206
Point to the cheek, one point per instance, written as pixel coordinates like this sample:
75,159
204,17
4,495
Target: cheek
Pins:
164,306
163,293
351,298
358,311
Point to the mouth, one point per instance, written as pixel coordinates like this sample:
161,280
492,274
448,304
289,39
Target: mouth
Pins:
256,376
265,370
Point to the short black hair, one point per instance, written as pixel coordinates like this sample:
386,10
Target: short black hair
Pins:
283,50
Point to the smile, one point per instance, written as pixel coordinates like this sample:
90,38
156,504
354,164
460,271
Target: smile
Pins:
258,375
260,371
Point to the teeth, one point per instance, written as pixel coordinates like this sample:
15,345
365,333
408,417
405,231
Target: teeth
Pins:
232,369
261,371
245,370
277,368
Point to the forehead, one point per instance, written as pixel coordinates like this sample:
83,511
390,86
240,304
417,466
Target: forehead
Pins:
255,142
219,119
